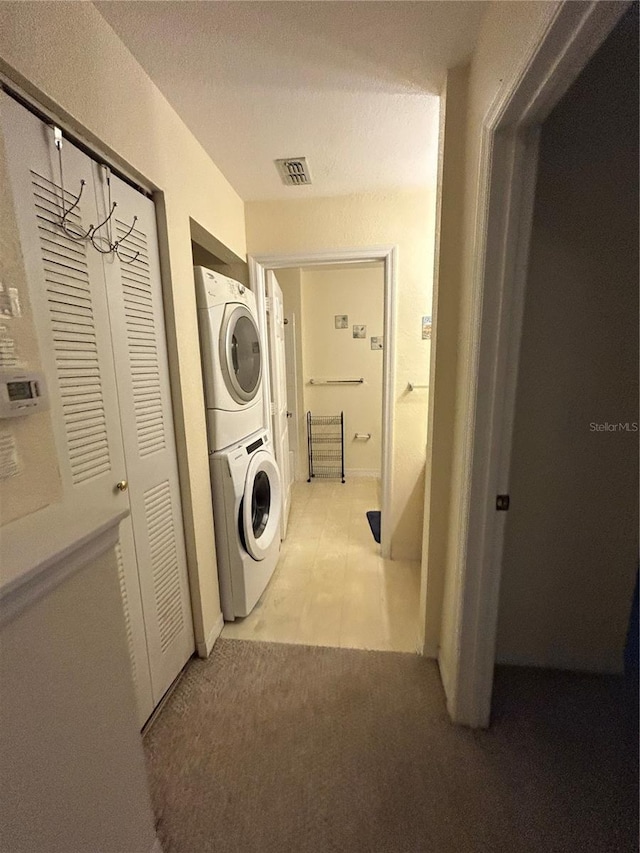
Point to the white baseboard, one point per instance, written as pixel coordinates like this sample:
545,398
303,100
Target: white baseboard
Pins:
445,678
362,472
430,650
204,649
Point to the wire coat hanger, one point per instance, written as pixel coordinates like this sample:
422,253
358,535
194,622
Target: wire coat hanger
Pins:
64,224
104,244
112,246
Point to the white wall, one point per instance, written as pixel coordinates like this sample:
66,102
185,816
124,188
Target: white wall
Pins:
72,772
331,353
407,220
290,281
67,56
571,539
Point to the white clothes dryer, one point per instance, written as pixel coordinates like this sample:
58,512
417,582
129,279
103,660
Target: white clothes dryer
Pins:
247,499
231,358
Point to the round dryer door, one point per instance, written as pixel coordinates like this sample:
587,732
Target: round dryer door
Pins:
261,505
240,355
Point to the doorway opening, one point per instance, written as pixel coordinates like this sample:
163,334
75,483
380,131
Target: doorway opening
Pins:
258,268
327,324
569,557
500,237
333,342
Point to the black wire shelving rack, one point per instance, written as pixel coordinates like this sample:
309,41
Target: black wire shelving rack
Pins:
325,444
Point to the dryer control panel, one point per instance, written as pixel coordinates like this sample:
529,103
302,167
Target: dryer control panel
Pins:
214,288
256,445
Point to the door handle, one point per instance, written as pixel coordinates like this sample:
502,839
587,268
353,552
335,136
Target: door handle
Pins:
289,414
122,486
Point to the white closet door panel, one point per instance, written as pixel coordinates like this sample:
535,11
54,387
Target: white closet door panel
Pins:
137,320
66,288
134,621
69,303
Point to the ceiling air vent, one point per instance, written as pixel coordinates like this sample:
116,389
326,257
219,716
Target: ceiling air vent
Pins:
294,171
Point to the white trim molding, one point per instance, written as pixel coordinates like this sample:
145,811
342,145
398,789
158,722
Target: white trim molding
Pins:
205,649
42,550
259,264
363,473
508,160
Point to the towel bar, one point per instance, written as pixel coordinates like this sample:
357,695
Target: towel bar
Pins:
336,381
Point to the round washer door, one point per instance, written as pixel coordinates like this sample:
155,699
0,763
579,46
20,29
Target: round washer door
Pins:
261,504
240,355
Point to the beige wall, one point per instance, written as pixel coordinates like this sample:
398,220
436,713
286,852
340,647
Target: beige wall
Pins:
571,540
72,773
445,348
67,56
405,219
335,353
507,34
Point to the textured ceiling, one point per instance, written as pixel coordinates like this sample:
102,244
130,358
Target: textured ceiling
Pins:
350,85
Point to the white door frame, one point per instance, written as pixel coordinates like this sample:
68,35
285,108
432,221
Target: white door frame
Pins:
508,162
282,458
258,264
290,332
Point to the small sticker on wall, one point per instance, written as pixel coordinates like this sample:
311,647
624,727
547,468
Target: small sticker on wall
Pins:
426,328
9,461
5,302
9,302
359,331
14,302
342,321
8,354
377,342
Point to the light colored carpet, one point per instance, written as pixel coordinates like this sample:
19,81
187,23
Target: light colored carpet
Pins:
271,747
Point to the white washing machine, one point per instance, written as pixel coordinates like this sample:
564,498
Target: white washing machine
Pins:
231,358
246,503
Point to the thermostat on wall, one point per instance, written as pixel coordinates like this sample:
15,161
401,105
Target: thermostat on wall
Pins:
22,392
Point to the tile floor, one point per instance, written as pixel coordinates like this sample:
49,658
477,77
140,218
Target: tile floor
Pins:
331,586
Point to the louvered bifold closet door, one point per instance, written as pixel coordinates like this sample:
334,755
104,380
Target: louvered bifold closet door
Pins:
137,321
66,287
69,304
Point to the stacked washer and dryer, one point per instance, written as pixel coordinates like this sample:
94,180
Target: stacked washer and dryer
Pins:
245,480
